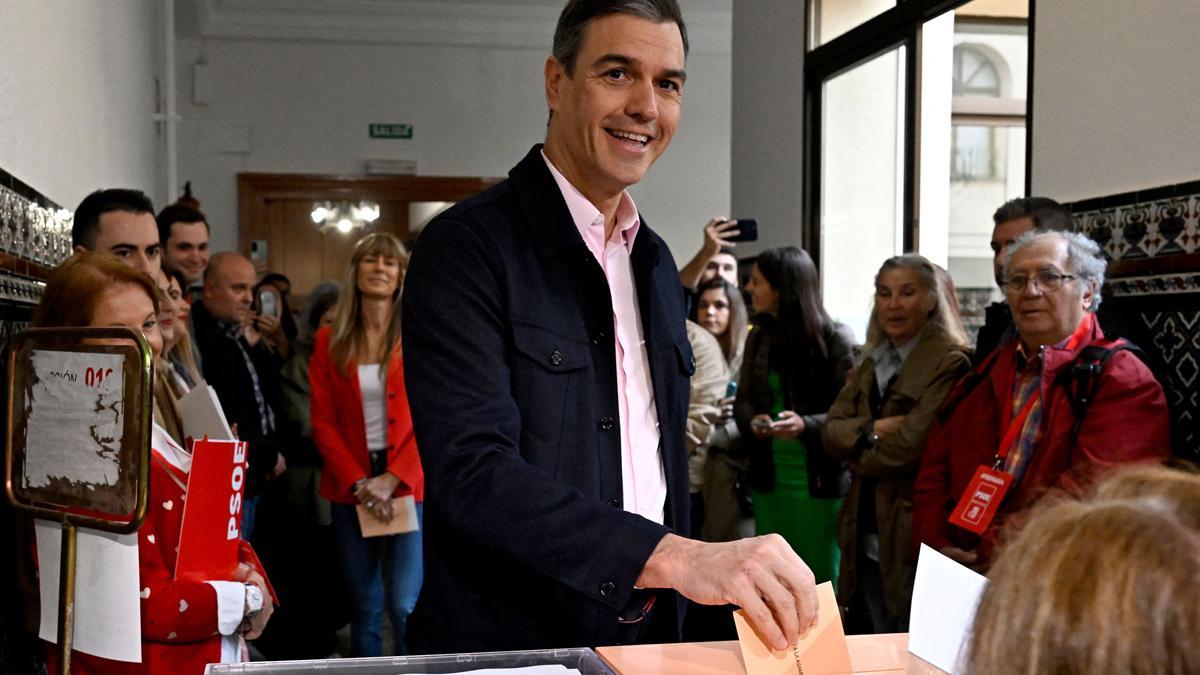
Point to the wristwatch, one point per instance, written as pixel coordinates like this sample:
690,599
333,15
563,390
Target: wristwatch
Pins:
254,601
869,438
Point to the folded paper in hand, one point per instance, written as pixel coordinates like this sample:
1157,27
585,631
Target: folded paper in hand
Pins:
404,519
823,651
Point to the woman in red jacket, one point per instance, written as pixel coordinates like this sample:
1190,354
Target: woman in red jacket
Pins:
185,624
362,427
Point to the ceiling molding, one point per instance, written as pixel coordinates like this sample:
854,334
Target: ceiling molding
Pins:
467,23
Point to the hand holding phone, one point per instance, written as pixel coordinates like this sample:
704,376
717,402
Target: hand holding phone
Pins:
268,302
747,230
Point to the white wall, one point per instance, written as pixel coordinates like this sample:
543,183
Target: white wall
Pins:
77,83
768,128
476,110
1116,107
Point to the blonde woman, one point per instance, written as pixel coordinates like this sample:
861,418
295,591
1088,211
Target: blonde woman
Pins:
178,349
916,349
362,427
1102,586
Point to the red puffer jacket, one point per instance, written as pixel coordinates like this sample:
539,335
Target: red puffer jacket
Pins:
1127,422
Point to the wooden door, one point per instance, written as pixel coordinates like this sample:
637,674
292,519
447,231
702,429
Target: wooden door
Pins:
297,248
276,208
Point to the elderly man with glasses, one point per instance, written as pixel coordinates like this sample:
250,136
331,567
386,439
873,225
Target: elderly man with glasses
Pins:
1047,411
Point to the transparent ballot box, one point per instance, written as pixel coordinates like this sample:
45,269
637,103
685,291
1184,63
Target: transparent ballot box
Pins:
583,660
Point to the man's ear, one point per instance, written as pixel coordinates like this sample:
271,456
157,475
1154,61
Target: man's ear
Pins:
1089,294
79,249
554,77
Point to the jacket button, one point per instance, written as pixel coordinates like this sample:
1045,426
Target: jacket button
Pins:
556,357
391,394
607,589
606,423
391,420
692,363
614,502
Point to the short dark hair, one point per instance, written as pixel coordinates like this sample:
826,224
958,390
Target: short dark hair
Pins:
575,17
177,213
1045,213
87,215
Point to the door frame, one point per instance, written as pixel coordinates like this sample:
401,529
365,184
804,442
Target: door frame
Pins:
255,189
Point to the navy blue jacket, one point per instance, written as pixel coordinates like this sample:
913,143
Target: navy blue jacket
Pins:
511,374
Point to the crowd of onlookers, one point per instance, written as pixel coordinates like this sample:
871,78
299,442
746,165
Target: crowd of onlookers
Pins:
856,461
855,453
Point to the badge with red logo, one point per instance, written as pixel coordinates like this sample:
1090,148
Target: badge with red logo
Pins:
981,499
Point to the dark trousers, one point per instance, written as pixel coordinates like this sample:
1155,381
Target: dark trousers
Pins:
867,612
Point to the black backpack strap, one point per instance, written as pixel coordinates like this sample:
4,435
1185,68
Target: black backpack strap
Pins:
1081,379
963,388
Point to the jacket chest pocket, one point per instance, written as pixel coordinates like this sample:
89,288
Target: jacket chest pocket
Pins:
549,383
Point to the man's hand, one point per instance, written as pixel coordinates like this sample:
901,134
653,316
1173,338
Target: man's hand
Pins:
718,234
787,424
889,426
762,575
279,468
253,627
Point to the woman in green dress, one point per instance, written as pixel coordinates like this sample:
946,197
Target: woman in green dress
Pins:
795,363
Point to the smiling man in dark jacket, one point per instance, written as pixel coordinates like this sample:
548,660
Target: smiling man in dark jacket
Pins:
547,368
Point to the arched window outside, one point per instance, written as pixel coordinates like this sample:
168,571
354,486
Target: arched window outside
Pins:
975,73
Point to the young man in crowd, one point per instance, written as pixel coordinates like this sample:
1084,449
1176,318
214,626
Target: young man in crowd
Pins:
121,222
715,258
183,231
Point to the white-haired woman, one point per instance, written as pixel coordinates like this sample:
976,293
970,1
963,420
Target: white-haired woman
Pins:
916,349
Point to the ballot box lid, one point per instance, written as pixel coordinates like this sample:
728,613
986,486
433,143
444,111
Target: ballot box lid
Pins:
584,660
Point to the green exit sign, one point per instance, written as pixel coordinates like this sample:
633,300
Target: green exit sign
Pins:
391,130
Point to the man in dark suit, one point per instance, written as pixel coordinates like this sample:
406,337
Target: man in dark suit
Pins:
547,370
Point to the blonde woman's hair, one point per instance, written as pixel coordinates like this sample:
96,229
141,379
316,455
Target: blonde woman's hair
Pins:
1101,586
348,340
937,281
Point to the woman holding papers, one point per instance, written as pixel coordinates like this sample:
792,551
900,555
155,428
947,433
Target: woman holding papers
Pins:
915,350
185,624
362,427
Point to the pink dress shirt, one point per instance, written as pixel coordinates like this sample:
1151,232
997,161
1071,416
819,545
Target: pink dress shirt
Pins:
643,481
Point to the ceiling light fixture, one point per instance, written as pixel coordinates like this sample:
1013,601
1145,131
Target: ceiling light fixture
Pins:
345,217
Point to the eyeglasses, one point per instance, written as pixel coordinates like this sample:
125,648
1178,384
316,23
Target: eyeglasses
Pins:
1046,281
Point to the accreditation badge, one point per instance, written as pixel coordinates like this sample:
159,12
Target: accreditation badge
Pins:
981,500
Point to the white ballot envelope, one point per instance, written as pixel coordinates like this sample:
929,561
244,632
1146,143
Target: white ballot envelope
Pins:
945,596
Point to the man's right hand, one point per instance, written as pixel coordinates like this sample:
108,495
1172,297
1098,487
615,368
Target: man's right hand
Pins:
718,234
762,575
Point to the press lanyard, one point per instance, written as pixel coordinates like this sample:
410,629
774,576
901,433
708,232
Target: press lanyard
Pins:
1017,423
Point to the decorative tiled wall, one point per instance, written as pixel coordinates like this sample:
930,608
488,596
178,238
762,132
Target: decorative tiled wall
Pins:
1145,224
1152,295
